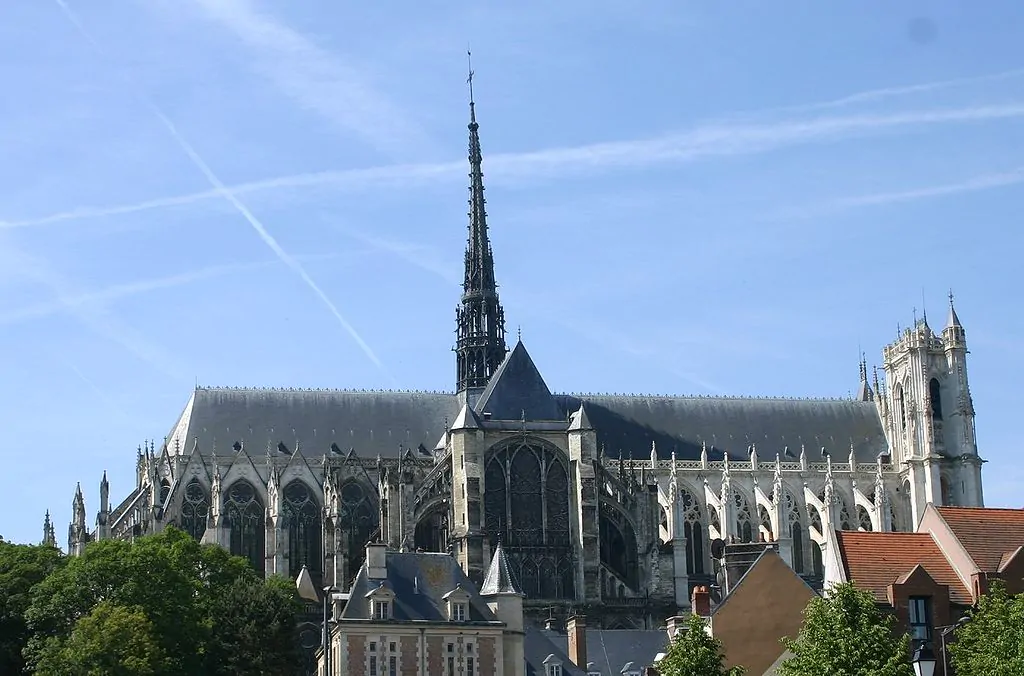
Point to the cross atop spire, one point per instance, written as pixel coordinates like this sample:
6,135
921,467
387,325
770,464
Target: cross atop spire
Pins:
469,81
480,344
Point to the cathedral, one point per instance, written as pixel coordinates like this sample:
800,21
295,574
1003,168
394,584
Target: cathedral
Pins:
611,505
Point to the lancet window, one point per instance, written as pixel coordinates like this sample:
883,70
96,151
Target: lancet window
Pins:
305,529
245,514
357,518
695,534
744,527
796,531
526,504
935,395
195,509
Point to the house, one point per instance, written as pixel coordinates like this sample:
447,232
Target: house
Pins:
763,603
929,579
418,614
579,651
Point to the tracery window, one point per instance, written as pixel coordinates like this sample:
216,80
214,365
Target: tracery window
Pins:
195,509
165,490
526,504
744,529
305,531
357,518
245,515
695,534
796,530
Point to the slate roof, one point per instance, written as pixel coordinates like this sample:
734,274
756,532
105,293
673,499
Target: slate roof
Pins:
631,422
987,533
372,423
377,422
419,582
607,649
517,389
873,561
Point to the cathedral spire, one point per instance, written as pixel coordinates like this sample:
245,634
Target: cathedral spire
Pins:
480,343
49,535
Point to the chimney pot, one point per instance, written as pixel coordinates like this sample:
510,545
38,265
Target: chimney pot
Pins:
700,603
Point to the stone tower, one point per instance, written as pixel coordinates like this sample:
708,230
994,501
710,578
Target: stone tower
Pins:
928,417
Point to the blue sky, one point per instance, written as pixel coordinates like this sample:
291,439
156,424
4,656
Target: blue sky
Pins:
702,197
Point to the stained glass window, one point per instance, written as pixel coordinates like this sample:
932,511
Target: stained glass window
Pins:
305,532
245,515
526,504
195,509
357,519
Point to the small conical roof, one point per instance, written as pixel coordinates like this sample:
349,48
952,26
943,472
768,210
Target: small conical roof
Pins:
499,578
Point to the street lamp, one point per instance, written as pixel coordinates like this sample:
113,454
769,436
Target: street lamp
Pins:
924,661
945,631
307,590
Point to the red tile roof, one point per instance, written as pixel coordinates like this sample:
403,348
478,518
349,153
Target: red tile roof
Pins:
873,561
986,533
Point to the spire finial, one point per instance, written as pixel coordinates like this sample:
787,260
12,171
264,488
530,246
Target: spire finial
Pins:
951,297
924,307
469,81
519,332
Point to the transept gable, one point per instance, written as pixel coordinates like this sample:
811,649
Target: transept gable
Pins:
517,390
242,467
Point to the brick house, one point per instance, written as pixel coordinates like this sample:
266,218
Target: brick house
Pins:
929,579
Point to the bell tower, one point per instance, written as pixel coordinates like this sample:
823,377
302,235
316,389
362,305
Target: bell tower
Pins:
929,419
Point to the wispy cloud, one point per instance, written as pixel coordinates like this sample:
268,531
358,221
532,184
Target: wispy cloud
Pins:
883,93
708,141
225,192
989,181
421,256
95,316
315,78
110,294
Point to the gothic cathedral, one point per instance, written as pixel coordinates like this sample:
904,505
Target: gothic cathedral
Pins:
605,504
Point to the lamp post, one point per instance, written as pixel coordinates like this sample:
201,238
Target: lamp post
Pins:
945,631
307,590
924,660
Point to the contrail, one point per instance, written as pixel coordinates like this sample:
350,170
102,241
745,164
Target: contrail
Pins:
223,190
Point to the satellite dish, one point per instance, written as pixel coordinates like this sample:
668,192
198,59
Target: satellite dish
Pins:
717,548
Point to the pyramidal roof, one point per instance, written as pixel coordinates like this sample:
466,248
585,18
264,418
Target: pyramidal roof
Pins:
517,389
499,578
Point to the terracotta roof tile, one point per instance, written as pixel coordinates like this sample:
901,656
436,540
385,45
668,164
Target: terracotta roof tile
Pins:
986,533
873,561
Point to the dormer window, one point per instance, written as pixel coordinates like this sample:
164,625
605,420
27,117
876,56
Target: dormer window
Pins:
381,604
458,604
552,666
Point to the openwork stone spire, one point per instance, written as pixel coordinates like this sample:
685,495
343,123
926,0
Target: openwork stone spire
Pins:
480,344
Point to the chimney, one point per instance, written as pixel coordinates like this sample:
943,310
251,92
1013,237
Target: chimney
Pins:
576,628
376,560
700,602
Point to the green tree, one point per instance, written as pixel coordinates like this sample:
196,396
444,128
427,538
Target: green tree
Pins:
992,643
693,652
109,641
180,586
845,634
22,567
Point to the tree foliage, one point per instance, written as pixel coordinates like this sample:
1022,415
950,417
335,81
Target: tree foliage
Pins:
845,634
22,567
693,652
992,642
109,641
200,604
